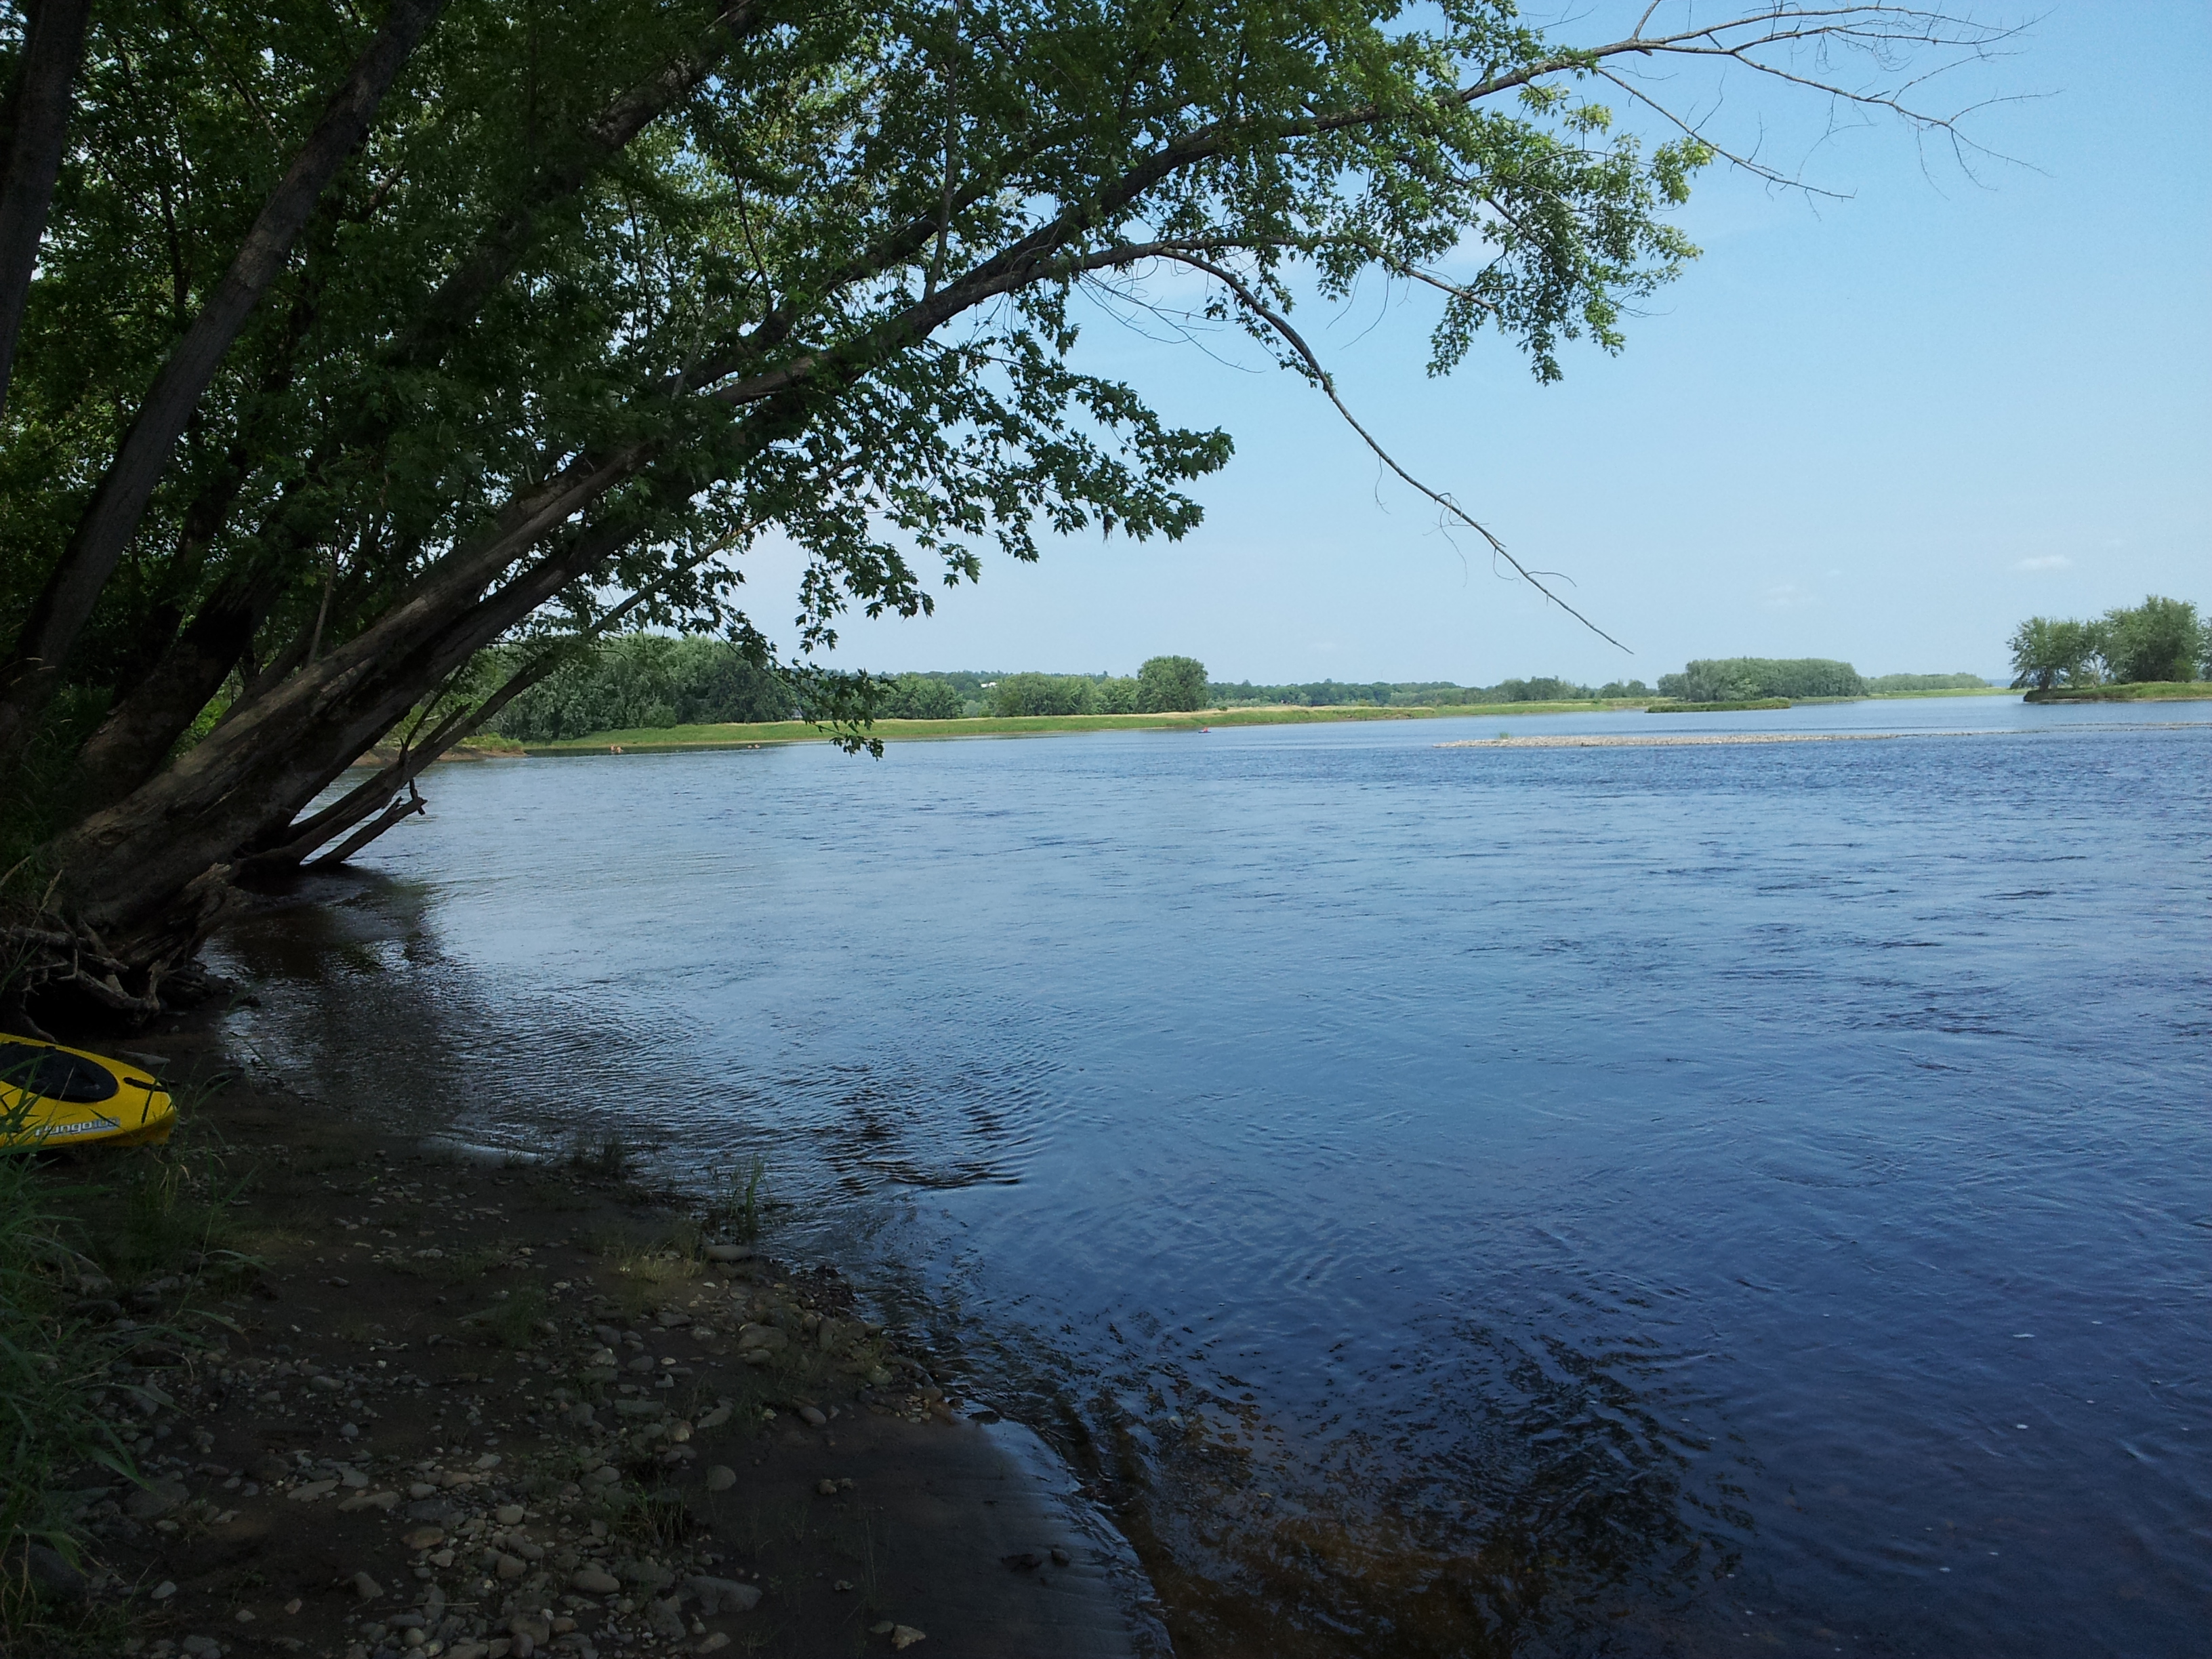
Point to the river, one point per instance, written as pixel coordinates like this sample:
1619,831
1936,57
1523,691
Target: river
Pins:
1599,1200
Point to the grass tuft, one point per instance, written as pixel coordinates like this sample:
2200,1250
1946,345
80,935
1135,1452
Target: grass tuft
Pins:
606,1157
49,1364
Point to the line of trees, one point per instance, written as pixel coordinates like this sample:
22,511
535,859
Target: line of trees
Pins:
1744,679
2159,640
641,681
1893,684
652,681
1161,685
1413,694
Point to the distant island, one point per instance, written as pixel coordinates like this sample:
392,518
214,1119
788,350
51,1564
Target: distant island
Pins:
2158,651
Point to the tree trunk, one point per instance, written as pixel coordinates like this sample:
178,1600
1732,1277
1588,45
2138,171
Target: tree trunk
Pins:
137,735
59,613
304,837
38,129
123,868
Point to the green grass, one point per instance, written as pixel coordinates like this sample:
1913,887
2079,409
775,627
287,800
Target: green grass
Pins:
746,736
1727,708
50,1363
2147,691
1950,691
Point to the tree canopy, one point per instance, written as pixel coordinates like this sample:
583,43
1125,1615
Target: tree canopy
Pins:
2161,639
1168,685
1733,680
345,348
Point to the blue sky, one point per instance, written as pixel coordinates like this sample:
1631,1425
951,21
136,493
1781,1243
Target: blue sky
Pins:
1883,429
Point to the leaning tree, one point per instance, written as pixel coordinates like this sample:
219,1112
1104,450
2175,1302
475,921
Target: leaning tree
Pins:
336,350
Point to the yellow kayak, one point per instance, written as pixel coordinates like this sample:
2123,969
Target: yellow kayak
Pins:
51,1096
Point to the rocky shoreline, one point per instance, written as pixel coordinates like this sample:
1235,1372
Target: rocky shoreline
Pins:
392,1399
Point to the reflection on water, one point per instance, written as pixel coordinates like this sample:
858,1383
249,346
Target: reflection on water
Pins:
1462,1202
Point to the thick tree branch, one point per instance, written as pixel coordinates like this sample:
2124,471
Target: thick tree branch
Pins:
37,131
60,611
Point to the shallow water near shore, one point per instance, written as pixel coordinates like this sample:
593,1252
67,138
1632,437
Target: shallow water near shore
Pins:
1546,1200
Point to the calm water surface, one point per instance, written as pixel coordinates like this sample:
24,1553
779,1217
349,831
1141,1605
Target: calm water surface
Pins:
1464,1202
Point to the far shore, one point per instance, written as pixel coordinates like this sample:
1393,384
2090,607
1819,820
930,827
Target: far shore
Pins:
652,739
1724,740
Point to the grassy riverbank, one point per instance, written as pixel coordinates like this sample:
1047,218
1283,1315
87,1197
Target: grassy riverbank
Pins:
2147,691
778,732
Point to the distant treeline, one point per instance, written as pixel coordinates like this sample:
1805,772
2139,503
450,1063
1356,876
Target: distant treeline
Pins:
1414,694
647,681
1890,684
2159,639
1748,680
1731,679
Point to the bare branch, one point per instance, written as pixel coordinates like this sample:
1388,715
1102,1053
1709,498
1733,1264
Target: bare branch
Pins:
1322,378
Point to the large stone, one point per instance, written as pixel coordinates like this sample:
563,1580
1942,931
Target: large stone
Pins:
50,1571
721,1478
644,1575
156,1498
767,1337
719,1595
594,1581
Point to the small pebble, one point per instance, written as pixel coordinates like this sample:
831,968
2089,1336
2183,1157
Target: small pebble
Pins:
813,1416
367,1587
